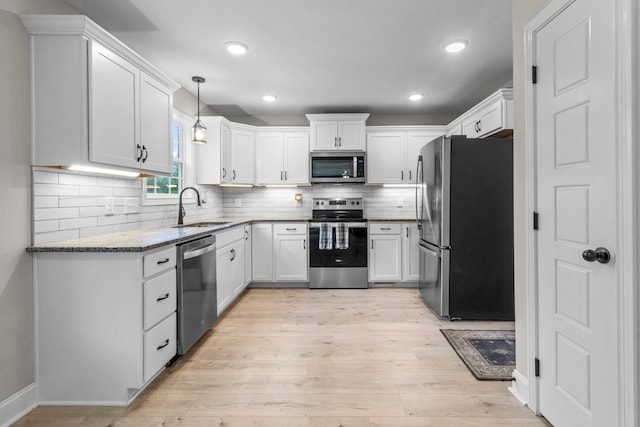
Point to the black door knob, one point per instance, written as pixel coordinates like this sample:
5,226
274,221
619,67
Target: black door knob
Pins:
601,255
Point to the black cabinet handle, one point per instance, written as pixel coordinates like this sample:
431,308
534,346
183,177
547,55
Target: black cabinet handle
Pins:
246,235
407,231
164,261
402,175
409,174
146,154
163,297
385,228
304,244
224,173
372,245
281,176
166,343
234,175
139,152
285,175
291,229
233,254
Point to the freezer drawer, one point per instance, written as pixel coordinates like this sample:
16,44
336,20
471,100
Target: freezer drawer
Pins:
433,282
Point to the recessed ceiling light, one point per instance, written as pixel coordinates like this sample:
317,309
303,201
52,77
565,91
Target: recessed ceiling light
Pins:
416,97
269,98
456,46
236,48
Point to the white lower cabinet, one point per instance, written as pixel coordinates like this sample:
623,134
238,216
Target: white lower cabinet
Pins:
410,252
248,276
262,252
229,266
290,252
385,252
106,323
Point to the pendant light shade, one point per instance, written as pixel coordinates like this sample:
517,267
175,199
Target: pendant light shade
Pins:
199,131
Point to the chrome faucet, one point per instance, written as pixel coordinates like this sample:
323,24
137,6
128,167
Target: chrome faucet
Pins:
181,212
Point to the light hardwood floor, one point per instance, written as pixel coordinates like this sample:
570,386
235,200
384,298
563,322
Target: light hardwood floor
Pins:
310,358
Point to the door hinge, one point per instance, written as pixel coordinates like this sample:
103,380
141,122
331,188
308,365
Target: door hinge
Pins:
535,220
534,74
536,367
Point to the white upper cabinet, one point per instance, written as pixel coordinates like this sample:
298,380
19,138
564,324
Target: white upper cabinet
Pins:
392,152
331,132
492,117
282,157
96,102
228,157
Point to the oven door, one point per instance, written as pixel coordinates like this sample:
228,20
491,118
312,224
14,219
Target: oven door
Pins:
354,256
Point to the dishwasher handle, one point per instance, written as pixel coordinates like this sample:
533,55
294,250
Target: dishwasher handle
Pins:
197,252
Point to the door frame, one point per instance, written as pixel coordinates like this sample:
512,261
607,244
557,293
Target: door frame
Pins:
627,197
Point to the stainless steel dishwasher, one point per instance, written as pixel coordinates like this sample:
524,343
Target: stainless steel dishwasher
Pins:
197,300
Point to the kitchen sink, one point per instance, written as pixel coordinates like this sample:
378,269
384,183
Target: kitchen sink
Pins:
204,224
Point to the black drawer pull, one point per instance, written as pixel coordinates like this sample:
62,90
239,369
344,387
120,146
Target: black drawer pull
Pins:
163,298
385,228
164,261
166,343
291,229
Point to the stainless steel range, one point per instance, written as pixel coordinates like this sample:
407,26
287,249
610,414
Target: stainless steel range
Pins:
338,244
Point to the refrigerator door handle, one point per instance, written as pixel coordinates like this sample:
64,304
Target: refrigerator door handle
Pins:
418,184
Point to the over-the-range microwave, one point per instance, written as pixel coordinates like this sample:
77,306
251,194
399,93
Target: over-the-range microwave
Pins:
337,167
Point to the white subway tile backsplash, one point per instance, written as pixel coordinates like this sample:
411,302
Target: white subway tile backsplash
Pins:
77,202
45,226
45,177
96,191
45,202
58,236
55,190
55,213
73,179
69,224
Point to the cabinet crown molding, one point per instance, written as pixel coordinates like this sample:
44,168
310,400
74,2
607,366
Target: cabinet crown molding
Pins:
81,25
338,116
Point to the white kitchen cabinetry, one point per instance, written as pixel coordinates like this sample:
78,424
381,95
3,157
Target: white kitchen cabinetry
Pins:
247,255
392,152
331,132
230,266
96,102
410,252
385,252
228,157
106,323
282,157
492,117
291,253
262,252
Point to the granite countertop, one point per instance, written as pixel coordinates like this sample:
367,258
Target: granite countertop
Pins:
151,238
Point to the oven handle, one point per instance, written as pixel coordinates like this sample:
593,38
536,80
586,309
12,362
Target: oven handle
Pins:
350,224
197,252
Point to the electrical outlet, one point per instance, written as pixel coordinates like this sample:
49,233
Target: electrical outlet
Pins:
131,205
237,203
399,202
108,206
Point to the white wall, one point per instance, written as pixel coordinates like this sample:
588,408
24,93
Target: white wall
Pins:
522,12
16,281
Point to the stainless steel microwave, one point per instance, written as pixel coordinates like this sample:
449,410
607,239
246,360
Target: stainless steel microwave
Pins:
337,167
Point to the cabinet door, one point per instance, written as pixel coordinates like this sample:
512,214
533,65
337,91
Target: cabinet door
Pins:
324,135
223,278
291,257
156,102
113,98
296,158
488,121
270,159
410,252
243,157
351,135
247,255
262,252
237,269
415,141
386,158
385,254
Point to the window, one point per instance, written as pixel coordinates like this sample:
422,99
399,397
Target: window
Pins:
161,188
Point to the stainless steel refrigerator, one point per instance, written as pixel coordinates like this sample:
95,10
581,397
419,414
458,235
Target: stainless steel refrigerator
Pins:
464,209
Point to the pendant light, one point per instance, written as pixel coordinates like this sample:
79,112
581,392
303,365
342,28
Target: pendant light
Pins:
199,131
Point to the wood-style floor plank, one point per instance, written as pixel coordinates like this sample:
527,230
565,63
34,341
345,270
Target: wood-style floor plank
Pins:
316,358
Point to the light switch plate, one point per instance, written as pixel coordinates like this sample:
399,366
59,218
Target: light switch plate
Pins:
238,203
108,206
131,205
399,202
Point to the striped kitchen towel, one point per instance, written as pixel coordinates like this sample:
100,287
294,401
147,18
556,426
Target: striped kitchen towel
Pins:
342,235
326,236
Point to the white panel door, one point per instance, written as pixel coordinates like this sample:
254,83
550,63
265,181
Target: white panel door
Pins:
386,157
415,141
113,109
269,165
351,135
290,258
576,190
156,103
296,158
243,157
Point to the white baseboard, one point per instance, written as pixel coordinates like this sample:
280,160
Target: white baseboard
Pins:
18,405
520,387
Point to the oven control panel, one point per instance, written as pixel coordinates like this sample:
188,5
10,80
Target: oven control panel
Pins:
354,203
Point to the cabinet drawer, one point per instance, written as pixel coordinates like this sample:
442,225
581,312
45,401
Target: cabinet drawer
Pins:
299,228
384,228
159,346
159,261
229,236
159,298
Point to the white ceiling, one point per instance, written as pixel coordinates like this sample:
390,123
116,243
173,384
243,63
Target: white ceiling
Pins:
321,56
